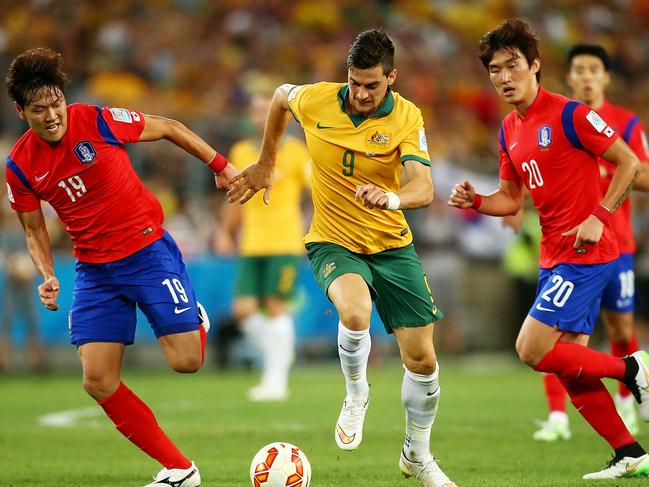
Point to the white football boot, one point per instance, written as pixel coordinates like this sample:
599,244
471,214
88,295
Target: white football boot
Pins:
349,428
177,477
640,385
203,317
427,472
622,468
555,428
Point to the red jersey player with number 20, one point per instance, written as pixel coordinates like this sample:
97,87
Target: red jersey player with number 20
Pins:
74,158
551,145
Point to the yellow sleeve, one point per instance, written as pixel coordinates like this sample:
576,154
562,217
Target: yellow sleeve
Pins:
297,97
415,147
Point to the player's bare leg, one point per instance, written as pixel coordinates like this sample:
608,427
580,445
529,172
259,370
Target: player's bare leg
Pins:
351,297
420,394
101,363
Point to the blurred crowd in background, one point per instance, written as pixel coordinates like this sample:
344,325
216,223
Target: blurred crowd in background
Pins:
198,61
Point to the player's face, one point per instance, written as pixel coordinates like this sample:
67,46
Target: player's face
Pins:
46,114
513,77
588,79
367,89
259,105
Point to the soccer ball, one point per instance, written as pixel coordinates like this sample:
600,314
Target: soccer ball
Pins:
280,464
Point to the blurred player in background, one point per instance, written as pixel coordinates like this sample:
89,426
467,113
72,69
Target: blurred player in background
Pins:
361,137
551,145
74,158
270,254
18,299
588,76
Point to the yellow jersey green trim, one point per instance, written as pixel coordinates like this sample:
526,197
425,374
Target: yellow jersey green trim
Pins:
384,109
412,157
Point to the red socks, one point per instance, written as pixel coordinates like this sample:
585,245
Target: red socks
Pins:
591,398
555,393
619,349
135,420
571,360
203,333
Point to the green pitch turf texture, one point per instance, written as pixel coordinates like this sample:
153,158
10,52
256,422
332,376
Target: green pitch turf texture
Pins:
482,436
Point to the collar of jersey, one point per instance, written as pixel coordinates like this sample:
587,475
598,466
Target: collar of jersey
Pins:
538,104
385,109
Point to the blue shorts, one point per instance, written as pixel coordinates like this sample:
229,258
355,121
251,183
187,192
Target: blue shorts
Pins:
154,278
568,295
619,293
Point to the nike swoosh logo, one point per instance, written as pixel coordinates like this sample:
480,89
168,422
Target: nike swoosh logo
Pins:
320,126
181,310
346,439
40,178
632,467
513,145
543,308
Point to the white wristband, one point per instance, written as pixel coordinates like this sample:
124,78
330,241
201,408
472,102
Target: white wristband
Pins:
394,202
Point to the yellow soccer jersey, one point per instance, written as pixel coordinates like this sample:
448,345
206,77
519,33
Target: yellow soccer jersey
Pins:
274,229
348,151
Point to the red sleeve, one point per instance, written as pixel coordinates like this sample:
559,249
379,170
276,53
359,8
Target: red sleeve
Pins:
125,125
638,142
20,196
507,169
593,132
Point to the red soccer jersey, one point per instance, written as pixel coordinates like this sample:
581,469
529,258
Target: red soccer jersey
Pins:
554,151
629,127
90,182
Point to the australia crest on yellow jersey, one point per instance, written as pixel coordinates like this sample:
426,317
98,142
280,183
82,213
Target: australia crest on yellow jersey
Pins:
380,137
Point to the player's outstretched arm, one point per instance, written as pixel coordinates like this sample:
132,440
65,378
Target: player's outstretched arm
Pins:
38,244
157,128
507,200
260,175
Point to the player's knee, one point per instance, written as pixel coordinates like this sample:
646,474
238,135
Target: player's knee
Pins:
355,320
99,388
421,364
186,364
526,354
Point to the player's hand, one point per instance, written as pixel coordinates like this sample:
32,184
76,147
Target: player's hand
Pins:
251,180
462,195
371,196
223,180
515,222
49,293
587,232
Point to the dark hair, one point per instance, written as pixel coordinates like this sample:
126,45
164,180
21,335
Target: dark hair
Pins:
510,35
32,71
591,50
371,48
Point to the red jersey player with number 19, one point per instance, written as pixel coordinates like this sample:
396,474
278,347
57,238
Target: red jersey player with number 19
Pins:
588,76
551,145
74,158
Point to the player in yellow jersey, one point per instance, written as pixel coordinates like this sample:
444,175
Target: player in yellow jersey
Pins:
362,136
271,251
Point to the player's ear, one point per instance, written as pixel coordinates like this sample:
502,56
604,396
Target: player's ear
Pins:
536,66
20,110
392,77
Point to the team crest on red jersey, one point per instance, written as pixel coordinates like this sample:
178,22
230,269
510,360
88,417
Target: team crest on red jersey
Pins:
544,136
85,152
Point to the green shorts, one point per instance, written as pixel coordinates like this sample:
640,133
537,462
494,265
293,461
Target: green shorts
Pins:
395,277
269,275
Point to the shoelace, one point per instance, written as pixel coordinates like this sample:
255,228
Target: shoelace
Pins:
355,410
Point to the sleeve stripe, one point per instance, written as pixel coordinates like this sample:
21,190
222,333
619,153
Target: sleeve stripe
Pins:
104,129
13,167
501,138
412,157
629,129
569,124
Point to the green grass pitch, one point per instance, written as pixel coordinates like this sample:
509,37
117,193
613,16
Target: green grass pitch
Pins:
482,435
